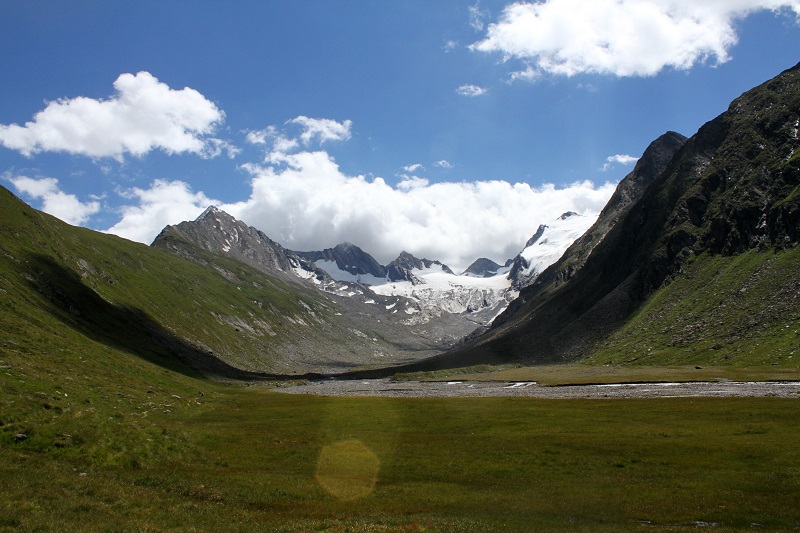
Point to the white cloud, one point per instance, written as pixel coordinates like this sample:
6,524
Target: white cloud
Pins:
305,202
312,131
322,130
619,37
215,147
412,182
414,167
310,204
621,159
65,206
444,164
163,203
476,17
450,45
471,90
143,115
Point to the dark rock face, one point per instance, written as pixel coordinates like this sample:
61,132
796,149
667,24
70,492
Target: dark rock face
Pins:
734,186
217,231
348,258
401,268
653,162
482,268
519,265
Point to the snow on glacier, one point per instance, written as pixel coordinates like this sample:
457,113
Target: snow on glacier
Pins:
436,290
557,237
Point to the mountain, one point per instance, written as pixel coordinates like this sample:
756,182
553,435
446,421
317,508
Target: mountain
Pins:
729,198
417,291
402,268
346,262
410,324
482,268
545,247
216,231
630,189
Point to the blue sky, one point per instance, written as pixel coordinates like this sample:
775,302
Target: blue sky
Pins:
450,129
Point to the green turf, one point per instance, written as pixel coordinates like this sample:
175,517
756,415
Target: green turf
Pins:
125,445
737,311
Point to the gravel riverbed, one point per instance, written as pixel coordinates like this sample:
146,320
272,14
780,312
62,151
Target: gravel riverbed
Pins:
460,389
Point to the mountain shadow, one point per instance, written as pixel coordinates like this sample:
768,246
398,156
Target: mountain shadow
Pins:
126,329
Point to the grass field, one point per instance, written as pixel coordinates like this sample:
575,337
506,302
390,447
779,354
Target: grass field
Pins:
247,459
104,428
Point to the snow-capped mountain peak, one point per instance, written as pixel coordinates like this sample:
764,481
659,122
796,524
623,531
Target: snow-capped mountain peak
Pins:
546,246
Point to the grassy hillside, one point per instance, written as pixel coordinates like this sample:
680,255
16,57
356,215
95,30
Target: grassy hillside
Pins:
61,282
741,311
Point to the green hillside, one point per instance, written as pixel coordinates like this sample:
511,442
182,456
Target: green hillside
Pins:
741,310
61,282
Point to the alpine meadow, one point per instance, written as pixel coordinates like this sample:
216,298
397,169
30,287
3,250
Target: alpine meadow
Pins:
417,346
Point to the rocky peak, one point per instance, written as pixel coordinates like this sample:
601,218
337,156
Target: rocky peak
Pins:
482,268
401,269
217,231
348,258
536,236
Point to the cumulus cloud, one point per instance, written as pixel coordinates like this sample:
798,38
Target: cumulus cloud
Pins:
618,37
164,202
414,167
471,90
302,199
443,163
311,204
65,206
619,159
412,182
322,130
144,114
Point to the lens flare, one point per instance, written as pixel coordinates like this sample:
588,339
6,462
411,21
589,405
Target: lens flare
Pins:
347,470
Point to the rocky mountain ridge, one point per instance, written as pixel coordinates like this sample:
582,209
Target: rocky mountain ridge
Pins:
425,290
731,189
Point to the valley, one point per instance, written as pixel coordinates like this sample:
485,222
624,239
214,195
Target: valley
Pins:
147,387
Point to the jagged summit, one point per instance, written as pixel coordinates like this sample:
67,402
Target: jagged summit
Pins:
402,268
348,258
211,210
545,247
217,231
482,268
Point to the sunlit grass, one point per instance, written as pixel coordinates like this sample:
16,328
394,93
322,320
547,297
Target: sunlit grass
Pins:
248,459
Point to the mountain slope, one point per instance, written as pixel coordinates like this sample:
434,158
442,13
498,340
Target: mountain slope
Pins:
389,327
731,188
213,314
630,189
545,247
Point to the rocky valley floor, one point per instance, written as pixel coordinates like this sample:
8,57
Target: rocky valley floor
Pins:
458,389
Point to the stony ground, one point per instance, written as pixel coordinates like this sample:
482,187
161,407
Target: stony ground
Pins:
386,387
